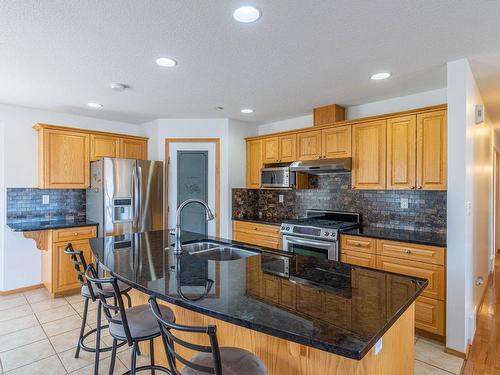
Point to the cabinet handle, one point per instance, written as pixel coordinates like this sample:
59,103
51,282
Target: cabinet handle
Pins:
357,244
407,251
412,187
419,187
75,234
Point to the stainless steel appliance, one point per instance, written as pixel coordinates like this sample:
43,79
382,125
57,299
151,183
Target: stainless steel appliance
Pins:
277,177
317,234
322,166
125,195
276,264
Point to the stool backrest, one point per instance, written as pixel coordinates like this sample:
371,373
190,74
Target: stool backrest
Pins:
80,265
111,299
170,340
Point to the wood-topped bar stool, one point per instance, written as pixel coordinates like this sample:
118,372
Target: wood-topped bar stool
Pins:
87,292
130,325
211,359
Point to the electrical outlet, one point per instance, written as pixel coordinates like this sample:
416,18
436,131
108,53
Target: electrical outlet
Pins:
281,198
45,199
404,203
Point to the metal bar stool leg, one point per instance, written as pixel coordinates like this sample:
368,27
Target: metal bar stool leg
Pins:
133,361
98,339
152,355
82,329
113,357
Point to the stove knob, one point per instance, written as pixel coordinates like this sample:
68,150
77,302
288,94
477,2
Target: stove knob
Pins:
332,234
282,227
287,228
326,233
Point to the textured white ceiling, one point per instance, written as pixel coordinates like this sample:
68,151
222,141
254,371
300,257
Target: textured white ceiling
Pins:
61,54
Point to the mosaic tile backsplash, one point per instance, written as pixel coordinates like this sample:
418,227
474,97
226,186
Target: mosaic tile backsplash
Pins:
426,209
26,204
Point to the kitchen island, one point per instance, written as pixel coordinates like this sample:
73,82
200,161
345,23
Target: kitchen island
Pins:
324,318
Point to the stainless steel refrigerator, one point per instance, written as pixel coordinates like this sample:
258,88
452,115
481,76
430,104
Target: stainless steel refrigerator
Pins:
125,195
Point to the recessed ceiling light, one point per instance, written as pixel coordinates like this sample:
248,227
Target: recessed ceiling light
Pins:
247,14
94,105
247,110
166,62
381,75
219,108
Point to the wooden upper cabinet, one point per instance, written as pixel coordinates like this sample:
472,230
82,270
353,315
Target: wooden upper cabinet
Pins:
288,148
309,145
254,163
369,155
336,142
270,150
63,159
401,152
432,150
131,148
104,146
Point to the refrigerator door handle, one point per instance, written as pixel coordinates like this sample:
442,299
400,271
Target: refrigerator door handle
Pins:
136,198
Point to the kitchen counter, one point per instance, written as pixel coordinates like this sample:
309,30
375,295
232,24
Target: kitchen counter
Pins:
418,237
47,224
260,221
146,262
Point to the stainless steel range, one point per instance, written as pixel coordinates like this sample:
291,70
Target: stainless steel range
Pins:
317,234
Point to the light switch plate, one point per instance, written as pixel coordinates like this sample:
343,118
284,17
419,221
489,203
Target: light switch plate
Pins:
281,198
45,199
404,203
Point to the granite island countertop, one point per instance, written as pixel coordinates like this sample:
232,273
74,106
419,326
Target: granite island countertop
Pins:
146,262
47,224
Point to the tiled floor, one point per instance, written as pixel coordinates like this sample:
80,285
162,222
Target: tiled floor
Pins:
38,336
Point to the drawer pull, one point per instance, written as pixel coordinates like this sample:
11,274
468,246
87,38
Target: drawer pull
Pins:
357,244
75,234
407,251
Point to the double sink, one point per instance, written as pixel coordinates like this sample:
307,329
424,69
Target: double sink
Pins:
208,250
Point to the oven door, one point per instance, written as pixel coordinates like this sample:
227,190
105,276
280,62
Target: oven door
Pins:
278,177
310,247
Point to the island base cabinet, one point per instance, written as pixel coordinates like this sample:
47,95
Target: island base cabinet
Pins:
281,356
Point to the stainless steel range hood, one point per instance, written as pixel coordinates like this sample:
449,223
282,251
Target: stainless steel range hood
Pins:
322,166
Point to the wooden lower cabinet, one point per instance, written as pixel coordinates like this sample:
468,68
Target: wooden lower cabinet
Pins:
270,288
257,234
429,315
288,294
254,276
310,301
358,258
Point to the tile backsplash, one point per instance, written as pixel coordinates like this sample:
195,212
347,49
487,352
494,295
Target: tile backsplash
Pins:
426,209
26,204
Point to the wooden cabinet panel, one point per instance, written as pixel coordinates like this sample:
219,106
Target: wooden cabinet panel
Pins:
433,273
369,152
104,146
246,226
133,148
254,163
64,159
337,311
258,240
71,234
432,151
309,145
336,142
270,287
270,150
288,294
429,315
404,250
254,276
399,290
401,152
257,234
288,148
63,270
358,258
358,244
310,301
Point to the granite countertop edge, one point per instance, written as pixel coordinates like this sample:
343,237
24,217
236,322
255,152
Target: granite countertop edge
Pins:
39,225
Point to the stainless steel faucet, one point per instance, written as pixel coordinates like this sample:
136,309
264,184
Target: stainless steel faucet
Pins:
210,216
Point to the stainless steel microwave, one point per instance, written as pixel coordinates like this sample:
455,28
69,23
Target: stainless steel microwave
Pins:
277,177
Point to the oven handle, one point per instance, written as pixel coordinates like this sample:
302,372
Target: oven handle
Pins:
308,242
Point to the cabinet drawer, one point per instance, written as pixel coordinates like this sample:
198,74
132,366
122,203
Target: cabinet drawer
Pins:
258,240
420,253
362,244
433,273
270,230
70,234
358,258
429,315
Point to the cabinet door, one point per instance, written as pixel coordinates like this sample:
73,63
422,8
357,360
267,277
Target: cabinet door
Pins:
254,163
337,310
64,160
288,294
432,151
270,287
369,148
429,315
310,301
433,273
270,150
104,146
401,152
134,148
357,258
309,145
288,148
337,142
64,274
254,276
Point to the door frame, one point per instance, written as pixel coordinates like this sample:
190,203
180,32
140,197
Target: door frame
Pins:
215,141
